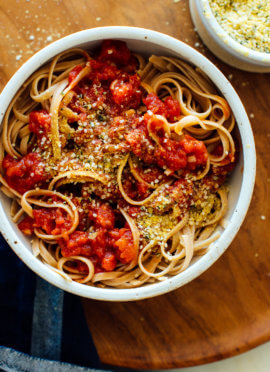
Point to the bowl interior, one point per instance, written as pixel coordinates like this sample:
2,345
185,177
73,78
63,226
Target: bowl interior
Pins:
241,182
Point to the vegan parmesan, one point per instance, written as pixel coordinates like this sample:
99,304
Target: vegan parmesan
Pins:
246,21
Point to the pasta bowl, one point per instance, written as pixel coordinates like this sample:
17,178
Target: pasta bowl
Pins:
142,42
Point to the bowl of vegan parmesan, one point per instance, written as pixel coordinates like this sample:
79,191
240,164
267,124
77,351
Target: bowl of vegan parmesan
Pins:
237,32
127,163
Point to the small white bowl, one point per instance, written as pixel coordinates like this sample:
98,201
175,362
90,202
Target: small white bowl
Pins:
242,181
221,44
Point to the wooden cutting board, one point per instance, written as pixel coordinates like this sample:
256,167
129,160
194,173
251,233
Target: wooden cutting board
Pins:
227,309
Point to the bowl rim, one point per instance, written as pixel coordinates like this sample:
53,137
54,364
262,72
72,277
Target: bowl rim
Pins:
176,47
228,42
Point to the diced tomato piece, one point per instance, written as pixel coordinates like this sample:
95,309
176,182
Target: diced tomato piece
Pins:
172,108
135,190
143,189
74,73
99,243
26,225
39,122
141,144
126,91
95,247
93,92
78,243
122,241
25,173
101,71
125,245
188,153
114,51
171,155
154,104
196,151
109,262
169,108
103,216
53,221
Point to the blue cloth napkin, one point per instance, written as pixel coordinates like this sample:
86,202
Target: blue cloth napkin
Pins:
41,321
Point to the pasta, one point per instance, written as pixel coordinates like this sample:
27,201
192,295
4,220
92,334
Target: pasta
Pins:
116,165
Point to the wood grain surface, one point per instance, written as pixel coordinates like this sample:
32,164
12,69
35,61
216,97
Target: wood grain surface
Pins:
227,309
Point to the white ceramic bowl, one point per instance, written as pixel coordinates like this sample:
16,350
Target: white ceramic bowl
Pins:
242,181
221,44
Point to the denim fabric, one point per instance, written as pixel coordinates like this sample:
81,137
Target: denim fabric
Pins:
14,361
47,321
17,288
41,320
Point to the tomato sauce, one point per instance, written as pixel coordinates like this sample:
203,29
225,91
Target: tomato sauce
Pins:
169,108
26,173
106,246
39,122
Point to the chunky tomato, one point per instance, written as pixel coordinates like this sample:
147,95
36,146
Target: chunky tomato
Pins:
53,221
26,225
25,173
168,153
114,51
171,155
104,248
78,243
74,73
154,104
126,91
103,216
141,144
101,71
127,251
195,150
169,108
109,261
39,122
172,109
122,240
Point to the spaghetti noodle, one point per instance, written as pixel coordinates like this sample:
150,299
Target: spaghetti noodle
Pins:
116,165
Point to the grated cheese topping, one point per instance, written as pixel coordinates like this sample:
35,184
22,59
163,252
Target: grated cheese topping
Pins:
246,21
